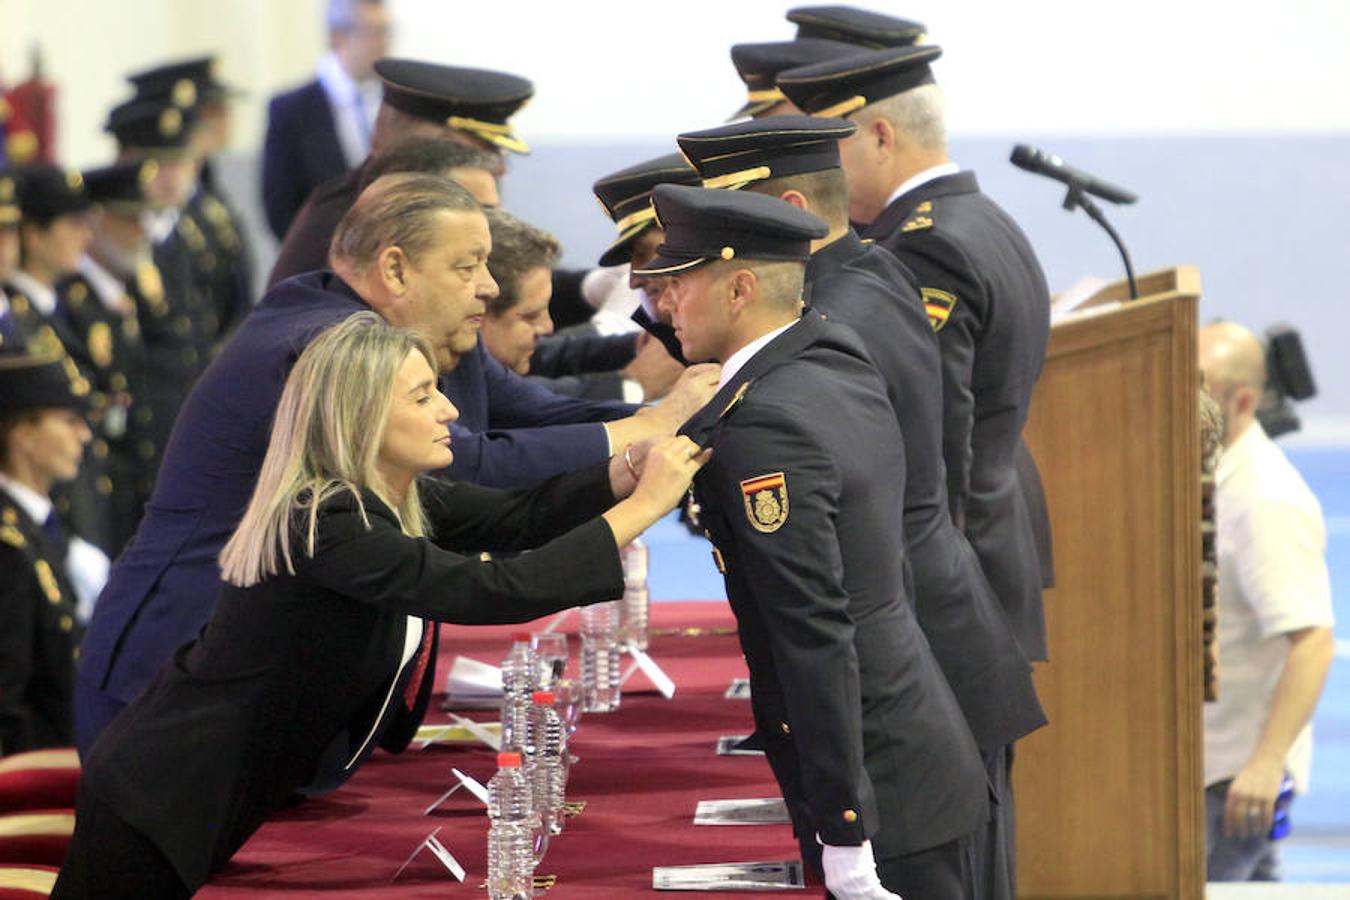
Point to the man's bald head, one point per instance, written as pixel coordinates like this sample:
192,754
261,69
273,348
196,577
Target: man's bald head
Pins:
1234,363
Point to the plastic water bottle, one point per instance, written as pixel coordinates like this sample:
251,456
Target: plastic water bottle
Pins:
513,821
519,674
600,657
634,608
546,746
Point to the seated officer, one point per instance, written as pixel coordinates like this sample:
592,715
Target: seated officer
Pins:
469,106
802,498
217,239
42,437
796,158
101,303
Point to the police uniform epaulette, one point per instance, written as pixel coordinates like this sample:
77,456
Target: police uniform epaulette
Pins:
735,399
9,528
920,219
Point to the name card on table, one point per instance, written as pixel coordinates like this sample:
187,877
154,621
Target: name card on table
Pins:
784,875
472,685
739,689
442,854
735,745
468,782
766,811
649,668
458,731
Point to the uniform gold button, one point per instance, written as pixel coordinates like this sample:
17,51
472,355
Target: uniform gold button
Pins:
103,485
67,623
100,448
850,816
786,729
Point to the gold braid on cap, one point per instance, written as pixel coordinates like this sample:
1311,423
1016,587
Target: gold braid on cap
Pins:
736,180
841,109
646,214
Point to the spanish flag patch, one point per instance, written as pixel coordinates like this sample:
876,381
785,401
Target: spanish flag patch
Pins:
766,501
939,305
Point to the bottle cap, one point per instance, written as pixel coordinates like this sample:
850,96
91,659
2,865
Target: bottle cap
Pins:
521,637
508,760
543,698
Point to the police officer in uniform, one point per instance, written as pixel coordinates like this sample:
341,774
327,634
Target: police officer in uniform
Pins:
802,498
177,321
42,432
54,234
213,230
472,106
859,284
984,291
100,304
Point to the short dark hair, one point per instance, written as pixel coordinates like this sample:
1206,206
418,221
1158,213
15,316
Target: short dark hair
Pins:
517,247
826,192
429,155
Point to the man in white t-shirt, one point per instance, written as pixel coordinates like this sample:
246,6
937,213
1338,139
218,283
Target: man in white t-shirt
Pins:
1275,619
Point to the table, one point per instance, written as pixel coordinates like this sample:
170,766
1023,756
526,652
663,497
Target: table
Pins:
643,770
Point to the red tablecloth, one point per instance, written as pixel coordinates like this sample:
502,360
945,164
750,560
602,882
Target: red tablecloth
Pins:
643,770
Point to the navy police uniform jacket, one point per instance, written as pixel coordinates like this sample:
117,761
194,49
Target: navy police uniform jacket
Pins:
39,637
801,499
300,152
863,286
165,584
986,295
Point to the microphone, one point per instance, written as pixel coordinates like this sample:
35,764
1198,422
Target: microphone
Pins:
1051,166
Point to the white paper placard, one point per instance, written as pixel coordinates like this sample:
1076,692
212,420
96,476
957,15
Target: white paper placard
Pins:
653,672
468,782
493,740
471,680
759,811
739,689
730,745
440,851
784,875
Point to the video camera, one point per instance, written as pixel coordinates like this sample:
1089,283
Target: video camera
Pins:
1288,378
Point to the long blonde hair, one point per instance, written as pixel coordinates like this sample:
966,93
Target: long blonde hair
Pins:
325,439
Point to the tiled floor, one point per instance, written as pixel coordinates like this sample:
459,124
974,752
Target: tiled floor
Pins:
1318,850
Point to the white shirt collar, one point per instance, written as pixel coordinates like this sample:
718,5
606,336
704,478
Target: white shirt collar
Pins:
1236,454
927,175
41,296
159,224
354,105
108,286
37,506
736,361
335,80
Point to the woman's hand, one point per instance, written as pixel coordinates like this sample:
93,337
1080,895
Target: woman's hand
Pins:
666,468
626,468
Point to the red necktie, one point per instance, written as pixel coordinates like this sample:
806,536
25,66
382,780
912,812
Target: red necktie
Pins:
420,667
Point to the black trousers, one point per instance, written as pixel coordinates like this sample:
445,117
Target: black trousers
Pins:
110,860
996,842
945,872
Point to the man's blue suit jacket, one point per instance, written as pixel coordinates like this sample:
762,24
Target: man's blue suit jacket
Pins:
300,152
164,586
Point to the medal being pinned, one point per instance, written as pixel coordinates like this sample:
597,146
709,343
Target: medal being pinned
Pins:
766,501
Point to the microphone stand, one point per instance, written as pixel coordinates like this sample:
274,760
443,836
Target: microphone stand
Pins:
1076,198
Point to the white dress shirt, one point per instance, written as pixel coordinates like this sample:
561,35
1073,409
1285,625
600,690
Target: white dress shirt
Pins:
354,106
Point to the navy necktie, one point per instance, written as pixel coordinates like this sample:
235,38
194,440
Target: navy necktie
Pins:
56,535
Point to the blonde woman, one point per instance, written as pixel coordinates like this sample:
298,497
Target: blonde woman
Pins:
318,638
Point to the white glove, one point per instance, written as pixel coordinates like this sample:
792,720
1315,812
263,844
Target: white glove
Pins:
851,873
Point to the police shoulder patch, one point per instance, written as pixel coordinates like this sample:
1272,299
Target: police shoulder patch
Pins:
939,305
766,501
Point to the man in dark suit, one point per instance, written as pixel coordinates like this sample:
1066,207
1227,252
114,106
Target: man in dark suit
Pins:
43,433
415,250
796,158
802,499
471,106
322,129
983,289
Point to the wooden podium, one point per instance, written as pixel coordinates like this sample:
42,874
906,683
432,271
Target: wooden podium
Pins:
1110,794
